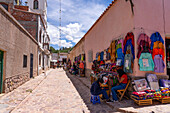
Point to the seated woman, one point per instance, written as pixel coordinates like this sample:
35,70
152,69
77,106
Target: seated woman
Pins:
122,78
97,90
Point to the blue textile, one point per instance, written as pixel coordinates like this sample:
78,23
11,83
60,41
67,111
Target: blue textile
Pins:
129,42
115,88
156,37
101,55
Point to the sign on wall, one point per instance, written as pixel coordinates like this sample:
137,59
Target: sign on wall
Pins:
90,56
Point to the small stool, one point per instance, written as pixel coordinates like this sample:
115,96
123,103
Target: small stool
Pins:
95,99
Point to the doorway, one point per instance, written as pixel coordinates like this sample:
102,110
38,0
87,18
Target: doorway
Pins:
1,70
31,65
167,41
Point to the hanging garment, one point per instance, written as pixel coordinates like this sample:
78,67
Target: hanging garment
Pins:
158,44
121,41
129,47
119,53
97,55
155,37
98,59
143,47
146,62
128,63
82,57
102,55
118,46
158,52
113,51
119,62
129,35
108,57
144,37
159,64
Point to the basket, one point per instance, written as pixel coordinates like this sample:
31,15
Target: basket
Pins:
142,102
164,100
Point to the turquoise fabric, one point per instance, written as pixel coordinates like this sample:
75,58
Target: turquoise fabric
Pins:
146,57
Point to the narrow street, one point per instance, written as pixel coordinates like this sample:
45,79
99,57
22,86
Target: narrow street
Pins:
52,94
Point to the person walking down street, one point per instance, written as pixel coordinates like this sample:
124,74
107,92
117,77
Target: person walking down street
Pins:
97,90
122,78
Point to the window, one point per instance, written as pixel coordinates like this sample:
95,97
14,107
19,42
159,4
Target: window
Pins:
40,59
40,36
25,61
35,4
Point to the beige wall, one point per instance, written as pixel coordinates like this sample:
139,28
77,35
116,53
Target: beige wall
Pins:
15,41
116,21
77,50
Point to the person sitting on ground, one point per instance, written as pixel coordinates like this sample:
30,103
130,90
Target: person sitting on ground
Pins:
97,90
122,78
75,69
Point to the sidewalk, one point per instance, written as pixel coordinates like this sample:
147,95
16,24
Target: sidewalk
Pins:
12,99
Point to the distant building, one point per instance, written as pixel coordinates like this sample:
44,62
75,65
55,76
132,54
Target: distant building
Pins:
62,57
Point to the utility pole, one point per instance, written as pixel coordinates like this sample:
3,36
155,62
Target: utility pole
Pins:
59,30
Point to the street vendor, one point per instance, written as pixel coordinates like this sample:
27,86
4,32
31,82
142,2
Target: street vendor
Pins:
122,78
96,89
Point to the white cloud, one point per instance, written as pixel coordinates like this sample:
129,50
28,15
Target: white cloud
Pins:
69,37
77,17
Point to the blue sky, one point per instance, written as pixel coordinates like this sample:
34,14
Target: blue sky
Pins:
77,18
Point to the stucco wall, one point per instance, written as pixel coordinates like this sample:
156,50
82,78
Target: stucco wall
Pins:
15,41
77,50
118,20
152,16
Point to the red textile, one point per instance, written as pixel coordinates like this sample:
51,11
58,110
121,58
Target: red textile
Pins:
129,35
125,80
158,52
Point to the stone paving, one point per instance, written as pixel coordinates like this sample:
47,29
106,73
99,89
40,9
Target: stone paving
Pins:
12,99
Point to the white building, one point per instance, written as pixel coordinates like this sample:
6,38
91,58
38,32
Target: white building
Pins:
40,7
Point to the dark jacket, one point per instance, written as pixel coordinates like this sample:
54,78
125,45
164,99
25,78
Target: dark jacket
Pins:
95,88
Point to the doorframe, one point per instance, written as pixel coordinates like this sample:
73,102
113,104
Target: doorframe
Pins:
2,75
31,74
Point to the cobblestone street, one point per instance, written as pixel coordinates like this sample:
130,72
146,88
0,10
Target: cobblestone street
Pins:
61,92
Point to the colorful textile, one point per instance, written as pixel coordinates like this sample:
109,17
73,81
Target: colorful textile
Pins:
129,35
113,51
146,62
155,37
159,64
143,47
121,41
158,44
158,52
128,63
145,38
129,43
102,55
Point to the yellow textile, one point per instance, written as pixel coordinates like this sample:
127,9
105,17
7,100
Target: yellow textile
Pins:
158,44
